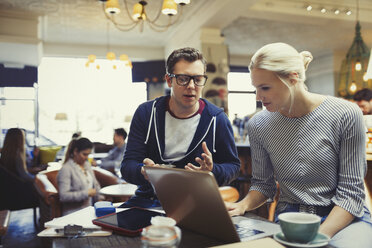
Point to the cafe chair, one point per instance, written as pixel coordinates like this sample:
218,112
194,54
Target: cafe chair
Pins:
47,189
229,194
16,193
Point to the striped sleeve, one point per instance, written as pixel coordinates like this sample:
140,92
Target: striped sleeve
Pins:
352,168
262,170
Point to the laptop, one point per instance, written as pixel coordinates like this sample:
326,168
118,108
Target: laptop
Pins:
192,198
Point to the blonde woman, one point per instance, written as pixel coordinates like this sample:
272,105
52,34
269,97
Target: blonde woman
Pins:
312,145
78,187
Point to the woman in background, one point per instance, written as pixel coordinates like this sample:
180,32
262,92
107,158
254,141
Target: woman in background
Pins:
312,145
78,187
13,154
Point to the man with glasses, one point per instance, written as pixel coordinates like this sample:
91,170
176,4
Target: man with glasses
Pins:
180,130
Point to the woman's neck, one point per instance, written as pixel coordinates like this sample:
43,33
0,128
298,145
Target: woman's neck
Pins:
304,103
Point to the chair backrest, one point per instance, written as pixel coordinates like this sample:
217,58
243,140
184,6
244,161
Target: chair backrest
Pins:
16,193
52,177
104,177
229,193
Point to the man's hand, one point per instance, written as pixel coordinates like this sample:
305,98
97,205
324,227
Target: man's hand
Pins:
206,164
147,162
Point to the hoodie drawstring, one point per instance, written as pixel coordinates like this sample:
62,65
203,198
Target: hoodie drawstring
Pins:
149,126
214,134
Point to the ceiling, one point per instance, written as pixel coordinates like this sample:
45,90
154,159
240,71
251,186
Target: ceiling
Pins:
245,24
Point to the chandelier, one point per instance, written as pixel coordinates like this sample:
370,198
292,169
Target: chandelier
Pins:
123,61
139,16
353,74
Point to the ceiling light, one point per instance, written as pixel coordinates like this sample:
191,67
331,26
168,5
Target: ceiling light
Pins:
169,8
140,16
354,67
323,10
123,58
309,8
348,12
337,11
112,7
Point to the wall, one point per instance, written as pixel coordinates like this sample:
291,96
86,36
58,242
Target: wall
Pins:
321,75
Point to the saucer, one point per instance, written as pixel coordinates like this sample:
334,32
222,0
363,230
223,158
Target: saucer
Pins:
317,242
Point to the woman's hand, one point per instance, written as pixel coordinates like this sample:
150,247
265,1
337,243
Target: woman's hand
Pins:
92,192
237,208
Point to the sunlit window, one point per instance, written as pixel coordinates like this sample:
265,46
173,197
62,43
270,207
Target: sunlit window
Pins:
241,102
73,98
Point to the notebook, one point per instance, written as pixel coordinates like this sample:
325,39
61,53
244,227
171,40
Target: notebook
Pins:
192,198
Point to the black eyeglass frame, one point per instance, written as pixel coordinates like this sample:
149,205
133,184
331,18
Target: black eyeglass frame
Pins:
190,77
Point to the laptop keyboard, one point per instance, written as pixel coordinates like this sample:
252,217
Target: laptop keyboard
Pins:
245,231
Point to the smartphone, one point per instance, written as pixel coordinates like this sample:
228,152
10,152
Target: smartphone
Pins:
129,222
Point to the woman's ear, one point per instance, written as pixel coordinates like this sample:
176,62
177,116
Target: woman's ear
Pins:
293,78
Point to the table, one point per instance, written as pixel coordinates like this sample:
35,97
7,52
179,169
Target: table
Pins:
118,192
189,240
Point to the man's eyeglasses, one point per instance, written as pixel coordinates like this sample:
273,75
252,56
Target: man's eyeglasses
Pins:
184,80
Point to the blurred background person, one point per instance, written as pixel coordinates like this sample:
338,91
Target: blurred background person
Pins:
78,187
13,154
363,98
114,157
76,135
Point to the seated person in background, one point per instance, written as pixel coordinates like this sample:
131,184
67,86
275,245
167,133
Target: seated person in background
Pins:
312,145
13,154
181,129
363,98
115,155
78,187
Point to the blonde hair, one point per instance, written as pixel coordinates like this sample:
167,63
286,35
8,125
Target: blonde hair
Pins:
282,59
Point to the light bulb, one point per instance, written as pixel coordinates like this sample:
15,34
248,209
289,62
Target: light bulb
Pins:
323,10
337,11
112,7
91,58
352,88
365,77
169,7
123,57
137,11
348,12
110,56
182,2
358,66
309,8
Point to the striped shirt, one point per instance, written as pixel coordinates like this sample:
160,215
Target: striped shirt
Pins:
317,159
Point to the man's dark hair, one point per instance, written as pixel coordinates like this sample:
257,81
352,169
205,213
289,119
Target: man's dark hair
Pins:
363,94
188,53
121,132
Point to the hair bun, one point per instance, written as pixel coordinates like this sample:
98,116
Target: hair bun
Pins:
307,57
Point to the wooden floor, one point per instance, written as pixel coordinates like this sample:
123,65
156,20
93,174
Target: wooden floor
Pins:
21,231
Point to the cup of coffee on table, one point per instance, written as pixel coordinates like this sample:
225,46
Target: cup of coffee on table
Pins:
299,227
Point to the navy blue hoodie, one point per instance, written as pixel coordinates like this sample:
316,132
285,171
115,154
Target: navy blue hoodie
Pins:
147,140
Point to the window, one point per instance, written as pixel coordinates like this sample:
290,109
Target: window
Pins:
241,101
73,98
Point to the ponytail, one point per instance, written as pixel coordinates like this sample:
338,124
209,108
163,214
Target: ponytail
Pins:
70,151
79,144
